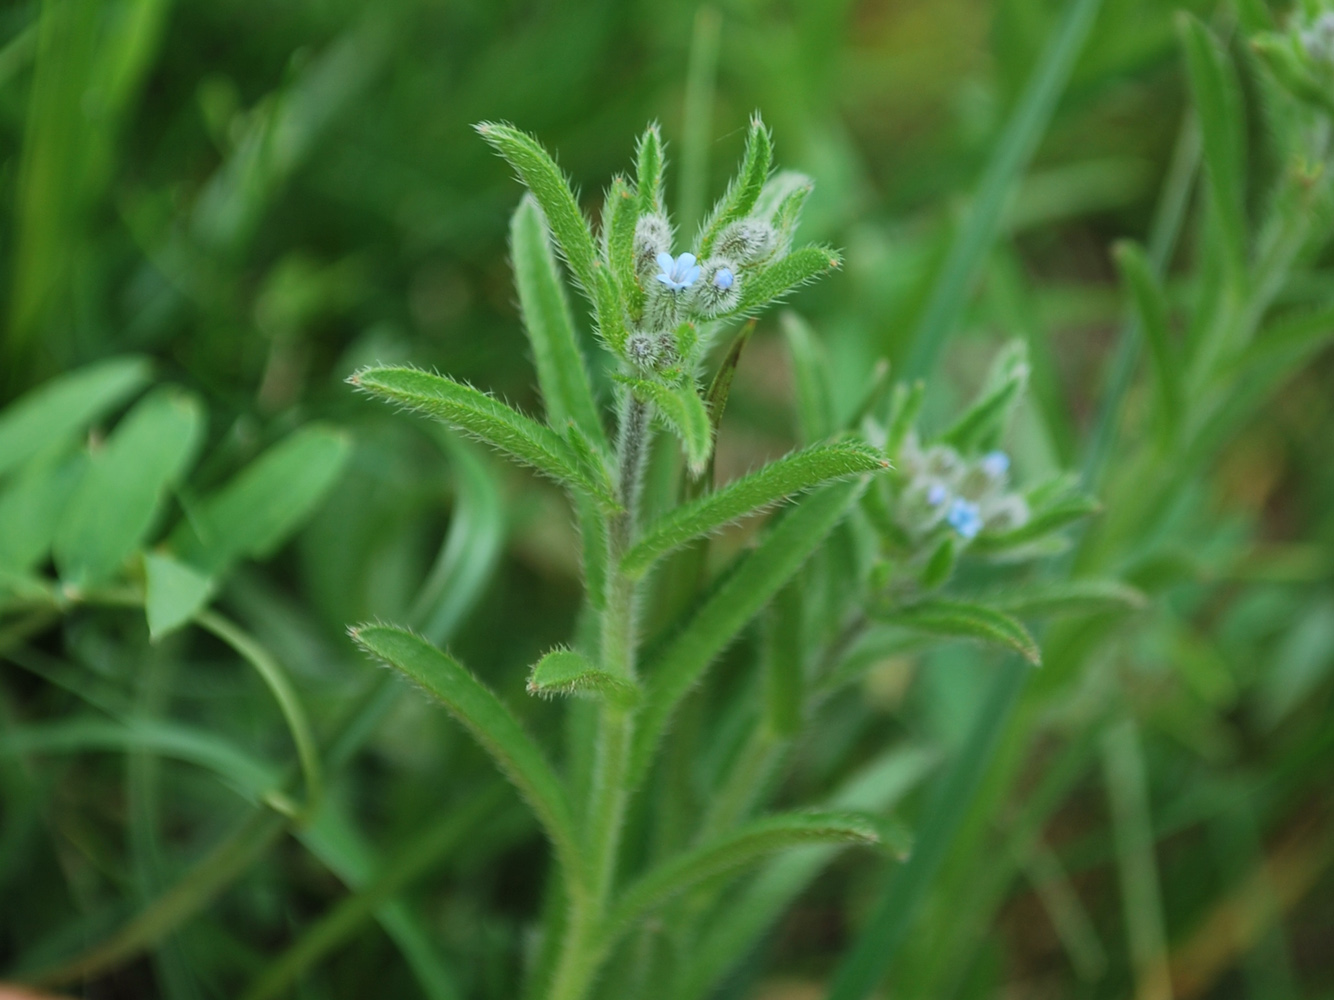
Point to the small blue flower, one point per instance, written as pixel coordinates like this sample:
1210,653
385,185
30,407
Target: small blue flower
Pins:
937,494
723,279
995,464
965,518
680,273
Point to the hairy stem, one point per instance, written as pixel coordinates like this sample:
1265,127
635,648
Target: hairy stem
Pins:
583,951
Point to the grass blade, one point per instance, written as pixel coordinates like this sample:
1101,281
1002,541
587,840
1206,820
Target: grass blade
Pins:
1150,302
796,473
489,721
968,253
561,370
701,79
716,623
489,420
878,944
810,373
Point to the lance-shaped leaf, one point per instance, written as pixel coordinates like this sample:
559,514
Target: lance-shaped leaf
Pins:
489,721
753,841
683,411
1151,306
810,372
649,165
962,620
564,671
785,661
783,275
904,407
561,372
1217,97
1053,517
489,420
747,589
781,202
618,240
544,179
61,408
1069,597
982,424
794,473
744,191
113,508
259,508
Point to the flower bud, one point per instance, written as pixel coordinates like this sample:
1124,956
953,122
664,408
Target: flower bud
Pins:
746,242
653,236
719,288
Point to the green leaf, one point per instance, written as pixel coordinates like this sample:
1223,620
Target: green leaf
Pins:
1217,97
783,275
650,162
983,423
683,411
115,504
489,721
744,191
962,620
785,661
60,409
1049,519
174,593
619,215
1069,597
544,179
717,621
904,407
715,401
940,567
489,420
810,372
31,507
795,473
561,371
1151,308
265,502
733,850
563,671
1011,153
781,202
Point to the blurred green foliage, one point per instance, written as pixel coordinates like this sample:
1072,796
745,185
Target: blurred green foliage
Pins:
255,198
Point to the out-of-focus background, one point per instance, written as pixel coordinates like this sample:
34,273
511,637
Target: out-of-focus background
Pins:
260,195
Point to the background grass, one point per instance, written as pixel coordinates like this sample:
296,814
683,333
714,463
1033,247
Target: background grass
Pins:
262,196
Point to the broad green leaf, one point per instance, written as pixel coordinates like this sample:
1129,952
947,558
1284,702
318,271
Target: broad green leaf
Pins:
1217,97
1151,308
683,411
962,620
810,373
115,504
785,274
544,179
650,162
1051,518
795,473
733,850
487,419
563,671
264,503
1069,597
58,410
173,593
745,188
952,288
561,371
490,723
31,506
717,621
618,233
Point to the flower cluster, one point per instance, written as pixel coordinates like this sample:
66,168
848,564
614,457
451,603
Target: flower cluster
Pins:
946,491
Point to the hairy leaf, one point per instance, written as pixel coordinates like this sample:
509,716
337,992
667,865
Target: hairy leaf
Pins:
783,275
962,620
650,162
745,188
795,473
683,411
564,671
1069,597
487,419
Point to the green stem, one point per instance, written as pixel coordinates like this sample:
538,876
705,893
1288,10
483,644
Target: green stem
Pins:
583,949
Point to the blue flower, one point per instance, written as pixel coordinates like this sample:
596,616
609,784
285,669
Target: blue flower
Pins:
723,278
680,273
936,494
965,518
995,464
